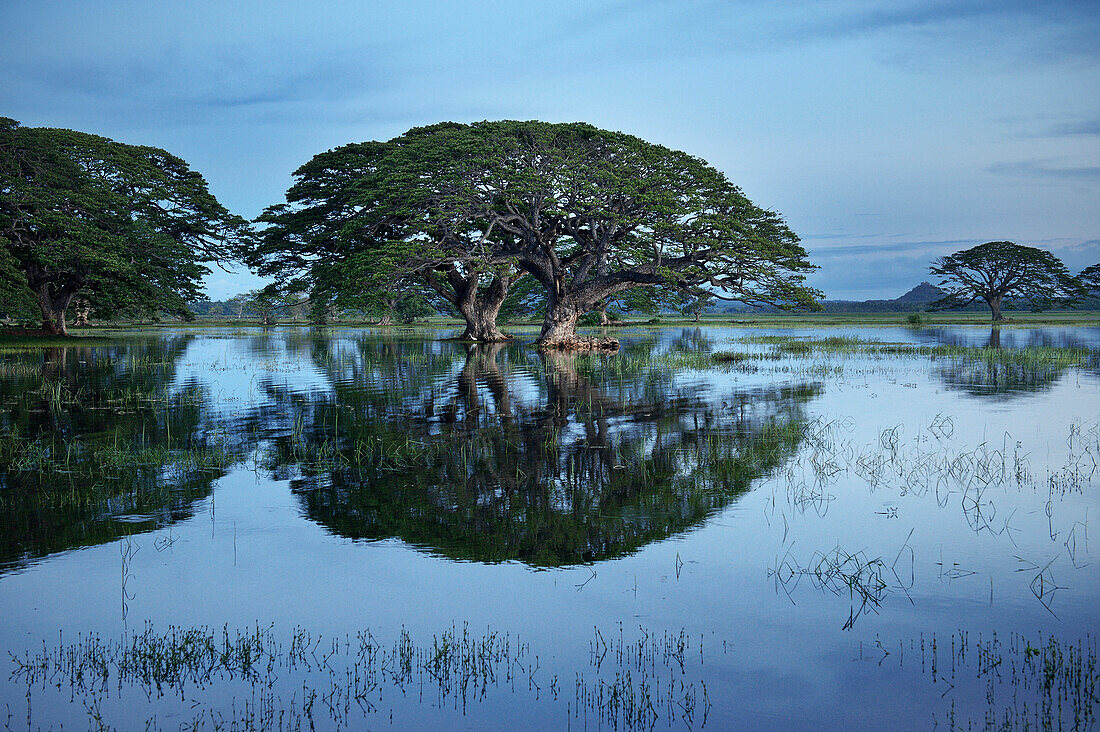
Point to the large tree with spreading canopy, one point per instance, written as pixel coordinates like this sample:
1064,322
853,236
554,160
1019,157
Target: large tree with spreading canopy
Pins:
588,213
358,227
126,228
997,270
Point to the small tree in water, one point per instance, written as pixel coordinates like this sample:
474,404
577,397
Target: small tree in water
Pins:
998,269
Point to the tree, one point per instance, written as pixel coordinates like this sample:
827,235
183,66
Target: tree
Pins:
1090,279
589,214
695,302
347,231
403,304
238,304
268,303
999,269
127,228
321,311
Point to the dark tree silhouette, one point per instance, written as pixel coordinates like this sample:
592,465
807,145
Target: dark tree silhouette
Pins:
999,269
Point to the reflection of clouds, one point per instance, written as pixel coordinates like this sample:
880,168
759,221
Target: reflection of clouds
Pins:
238,369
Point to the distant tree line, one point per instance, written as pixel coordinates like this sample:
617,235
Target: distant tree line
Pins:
269,307
921,299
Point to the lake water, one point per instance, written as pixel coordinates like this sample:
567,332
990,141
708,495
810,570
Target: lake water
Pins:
288,528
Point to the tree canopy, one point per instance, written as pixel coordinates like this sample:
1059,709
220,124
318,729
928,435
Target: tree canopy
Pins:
999,269
127,228
587,213
1090,278
338,239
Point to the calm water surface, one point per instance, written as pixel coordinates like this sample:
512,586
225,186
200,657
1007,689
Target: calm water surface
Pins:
355,528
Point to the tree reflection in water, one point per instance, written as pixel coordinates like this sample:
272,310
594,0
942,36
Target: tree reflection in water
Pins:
1000,373
96,444
550,459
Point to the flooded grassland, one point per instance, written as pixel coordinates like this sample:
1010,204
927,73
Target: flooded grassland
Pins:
713,528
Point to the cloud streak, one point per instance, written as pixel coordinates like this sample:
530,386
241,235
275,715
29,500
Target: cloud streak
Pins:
1087,127
1043,170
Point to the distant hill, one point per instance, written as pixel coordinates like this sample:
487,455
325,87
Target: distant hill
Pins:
923,294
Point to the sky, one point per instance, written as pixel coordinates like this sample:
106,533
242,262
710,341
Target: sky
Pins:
886,134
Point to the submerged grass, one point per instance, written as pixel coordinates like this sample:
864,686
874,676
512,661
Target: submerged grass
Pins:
51,459
824,357
849,345
308,679
1050,685
257,678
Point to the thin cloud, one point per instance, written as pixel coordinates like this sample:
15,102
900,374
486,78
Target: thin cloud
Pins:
1043,170
918,32
1085,128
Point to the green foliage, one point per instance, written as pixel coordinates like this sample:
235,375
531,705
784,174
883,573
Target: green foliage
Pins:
526,299
17,302
127,228
593,317
269,303
1090,279
999,269
694,302
590,214
412,307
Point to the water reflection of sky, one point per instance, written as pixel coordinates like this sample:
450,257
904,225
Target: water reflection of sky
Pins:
236,368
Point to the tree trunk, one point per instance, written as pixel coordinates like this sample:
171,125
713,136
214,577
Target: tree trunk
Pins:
559,328
386,319
481,321
602,310
696,316
53,310
480,313
995,306
83,315
481,326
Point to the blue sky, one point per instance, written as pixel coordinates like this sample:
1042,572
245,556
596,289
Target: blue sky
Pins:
886,133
